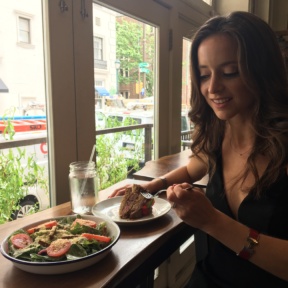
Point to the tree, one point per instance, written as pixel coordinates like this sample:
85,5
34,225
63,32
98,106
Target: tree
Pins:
133,46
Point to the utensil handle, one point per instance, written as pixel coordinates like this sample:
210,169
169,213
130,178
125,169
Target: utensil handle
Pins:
196,185
159,192
199,185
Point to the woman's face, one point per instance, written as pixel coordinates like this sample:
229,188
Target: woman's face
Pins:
220,81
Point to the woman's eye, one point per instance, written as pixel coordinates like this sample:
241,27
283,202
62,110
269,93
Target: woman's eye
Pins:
232,74
203,77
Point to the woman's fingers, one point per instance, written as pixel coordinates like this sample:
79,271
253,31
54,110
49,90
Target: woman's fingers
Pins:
184,196
180,192
119,191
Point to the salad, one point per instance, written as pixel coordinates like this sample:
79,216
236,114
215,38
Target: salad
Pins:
68,238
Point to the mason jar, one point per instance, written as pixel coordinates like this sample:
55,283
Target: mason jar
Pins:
83,186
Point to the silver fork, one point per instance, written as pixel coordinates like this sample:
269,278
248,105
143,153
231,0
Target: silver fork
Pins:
148,195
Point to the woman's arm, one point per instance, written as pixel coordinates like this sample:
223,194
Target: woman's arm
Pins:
271,254
195,209
194,171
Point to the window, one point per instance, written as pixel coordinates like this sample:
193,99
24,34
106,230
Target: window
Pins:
124,72
25,100
24,30
72,78
98,48
125,94
99,83
97,21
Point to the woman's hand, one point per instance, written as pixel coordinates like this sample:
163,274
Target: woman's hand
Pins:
192,206
120,191
152,187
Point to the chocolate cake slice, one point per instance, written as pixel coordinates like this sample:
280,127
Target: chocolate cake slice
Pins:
134,205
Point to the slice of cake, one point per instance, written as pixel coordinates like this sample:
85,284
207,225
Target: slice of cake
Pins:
134,205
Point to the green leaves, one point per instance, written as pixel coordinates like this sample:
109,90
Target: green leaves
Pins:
113,165
18,172
132,37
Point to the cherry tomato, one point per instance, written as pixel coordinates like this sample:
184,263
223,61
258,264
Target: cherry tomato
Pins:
100,238
21,240
46,225
58,248
85,222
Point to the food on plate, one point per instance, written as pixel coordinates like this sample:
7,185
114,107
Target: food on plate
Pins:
68,238
48,225
21,240
134,205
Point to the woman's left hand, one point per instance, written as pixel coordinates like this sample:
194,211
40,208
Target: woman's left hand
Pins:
192,206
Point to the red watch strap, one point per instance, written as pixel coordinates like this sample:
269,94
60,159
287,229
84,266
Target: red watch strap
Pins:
245,253
253,240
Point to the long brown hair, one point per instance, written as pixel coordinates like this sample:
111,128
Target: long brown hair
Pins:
262,69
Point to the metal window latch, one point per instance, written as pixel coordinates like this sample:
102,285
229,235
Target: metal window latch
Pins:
83,11
63,6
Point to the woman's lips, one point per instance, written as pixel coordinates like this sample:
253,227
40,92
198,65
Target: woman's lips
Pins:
220,101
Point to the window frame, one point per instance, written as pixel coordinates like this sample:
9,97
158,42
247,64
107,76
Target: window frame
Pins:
100,49
29,18
73,135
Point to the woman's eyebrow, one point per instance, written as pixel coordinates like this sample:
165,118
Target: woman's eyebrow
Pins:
221,65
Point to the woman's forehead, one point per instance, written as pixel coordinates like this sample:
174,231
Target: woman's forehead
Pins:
218,48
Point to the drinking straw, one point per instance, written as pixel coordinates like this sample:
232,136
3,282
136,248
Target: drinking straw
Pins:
86,174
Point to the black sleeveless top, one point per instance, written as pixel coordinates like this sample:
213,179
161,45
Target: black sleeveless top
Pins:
268,215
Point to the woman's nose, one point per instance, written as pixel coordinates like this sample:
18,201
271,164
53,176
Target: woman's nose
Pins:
215,84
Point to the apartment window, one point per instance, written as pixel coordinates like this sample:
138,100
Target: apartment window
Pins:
24,30
124,72
98,48
125,94
99,83
97,21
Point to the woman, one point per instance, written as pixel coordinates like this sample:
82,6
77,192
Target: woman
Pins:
239,107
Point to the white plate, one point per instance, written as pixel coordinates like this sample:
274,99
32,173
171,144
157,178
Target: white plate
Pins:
110,208
64,266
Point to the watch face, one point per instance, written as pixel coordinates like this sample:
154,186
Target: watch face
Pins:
164,181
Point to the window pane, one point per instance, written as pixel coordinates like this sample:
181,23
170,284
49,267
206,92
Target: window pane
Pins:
186,83
98,48
22,107
24,24
24,30
186,94
125,51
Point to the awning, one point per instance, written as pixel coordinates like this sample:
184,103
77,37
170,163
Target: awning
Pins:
3,87
102,91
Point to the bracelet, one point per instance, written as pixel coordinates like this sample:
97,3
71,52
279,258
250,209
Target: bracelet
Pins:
253,240
164,181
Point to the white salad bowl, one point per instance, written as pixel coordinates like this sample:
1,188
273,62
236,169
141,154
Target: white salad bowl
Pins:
61,267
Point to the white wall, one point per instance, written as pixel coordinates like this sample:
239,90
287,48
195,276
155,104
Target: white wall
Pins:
226,6
107,32
21,66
